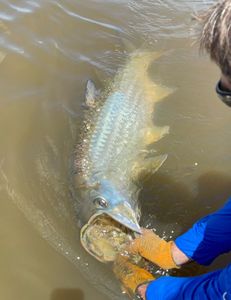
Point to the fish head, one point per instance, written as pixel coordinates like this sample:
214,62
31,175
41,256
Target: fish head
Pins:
103,197
107,199
111,222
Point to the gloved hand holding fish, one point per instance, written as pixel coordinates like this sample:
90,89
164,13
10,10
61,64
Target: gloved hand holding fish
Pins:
149,246
112,157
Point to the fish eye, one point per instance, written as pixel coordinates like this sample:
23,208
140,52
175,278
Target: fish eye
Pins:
100,201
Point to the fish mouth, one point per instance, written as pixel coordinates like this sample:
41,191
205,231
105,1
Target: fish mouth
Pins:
108,232
103,237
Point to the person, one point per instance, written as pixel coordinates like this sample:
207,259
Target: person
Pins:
210,236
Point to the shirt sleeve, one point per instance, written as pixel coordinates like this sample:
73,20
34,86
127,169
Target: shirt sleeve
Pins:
214,285
209,237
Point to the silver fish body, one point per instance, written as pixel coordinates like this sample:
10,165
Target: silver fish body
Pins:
112,153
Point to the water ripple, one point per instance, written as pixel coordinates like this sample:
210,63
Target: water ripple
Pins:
6,17
164,18
25,7
25,10
12,47
75,15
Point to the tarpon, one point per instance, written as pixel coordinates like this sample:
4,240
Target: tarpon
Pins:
112,153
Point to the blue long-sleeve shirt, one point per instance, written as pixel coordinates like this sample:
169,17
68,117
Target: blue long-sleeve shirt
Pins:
208,238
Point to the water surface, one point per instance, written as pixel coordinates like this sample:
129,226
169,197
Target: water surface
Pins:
48,49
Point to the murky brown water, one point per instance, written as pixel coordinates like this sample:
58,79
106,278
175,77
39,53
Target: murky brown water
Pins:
48,49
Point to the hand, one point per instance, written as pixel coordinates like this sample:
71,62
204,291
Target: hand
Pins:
130,275
150,246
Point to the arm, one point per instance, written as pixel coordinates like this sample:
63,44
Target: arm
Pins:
208,238
213,285
178,256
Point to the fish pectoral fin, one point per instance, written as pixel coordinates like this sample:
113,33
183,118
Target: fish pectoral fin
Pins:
161,92
154,134
145,168
91,94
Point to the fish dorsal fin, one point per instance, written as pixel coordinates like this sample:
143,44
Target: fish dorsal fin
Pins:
161,92
91,94
153,134
146,167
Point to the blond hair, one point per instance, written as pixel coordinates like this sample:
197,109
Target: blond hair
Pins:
215,37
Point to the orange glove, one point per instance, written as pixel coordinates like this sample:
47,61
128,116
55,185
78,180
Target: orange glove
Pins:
153,248
130,275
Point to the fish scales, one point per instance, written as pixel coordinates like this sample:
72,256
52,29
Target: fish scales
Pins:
104,126
117,132
126,133
126,111
118,125
110,146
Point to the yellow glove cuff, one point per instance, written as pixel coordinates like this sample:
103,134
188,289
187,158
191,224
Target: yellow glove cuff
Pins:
163,255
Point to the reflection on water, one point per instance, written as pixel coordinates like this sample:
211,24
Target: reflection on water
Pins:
48,49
